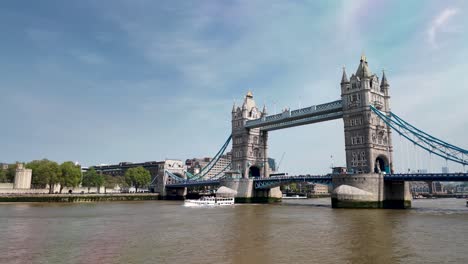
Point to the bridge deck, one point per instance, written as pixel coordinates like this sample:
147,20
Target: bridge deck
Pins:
426,177
267,183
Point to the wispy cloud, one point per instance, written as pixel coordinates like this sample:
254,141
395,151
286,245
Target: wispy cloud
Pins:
440,23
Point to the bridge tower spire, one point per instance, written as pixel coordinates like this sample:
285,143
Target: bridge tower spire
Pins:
367,138
249,146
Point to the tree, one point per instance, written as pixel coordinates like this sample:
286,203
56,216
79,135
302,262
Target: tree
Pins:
11,172
112,181
44,172
138,177
92,178
3,177
99,181
89,178
70,175
37,181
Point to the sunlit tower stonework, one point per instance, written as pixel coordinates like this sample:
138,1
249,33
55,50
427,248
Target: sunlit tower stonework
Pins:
249,146
367,138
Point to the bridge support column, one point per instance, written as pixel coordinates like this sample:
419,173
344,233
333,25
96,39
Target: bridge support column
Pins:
397,195
175,194
369,191
246,192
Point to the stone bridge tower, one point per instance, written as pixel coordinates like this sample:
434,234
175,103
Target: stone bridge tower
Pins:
249,146
367,138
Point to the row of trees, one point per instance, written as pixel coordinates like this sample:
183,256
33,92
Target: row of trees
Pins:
49,173
137,177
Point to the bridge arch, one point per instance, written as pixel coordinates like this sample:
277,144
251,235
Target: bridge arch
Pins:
381,164
171,180
254,171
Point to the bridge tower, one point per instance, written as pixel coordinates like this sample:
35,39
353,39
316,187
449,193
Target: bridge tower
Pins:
249,146
368,146
367,138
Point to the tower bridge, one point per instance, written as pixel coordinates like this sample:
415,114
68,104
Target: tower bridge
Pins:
368,124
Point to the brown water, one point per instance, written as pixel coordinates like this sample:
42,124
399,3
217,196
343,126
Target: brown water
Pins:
296,231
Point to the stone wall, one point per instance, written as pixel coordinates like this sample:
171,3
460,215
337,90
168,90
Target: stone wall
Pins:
369,191
6,186
22,178
246,192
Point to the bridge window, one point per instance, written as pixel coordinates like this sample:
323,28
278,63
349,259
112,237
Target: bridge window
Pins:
256,153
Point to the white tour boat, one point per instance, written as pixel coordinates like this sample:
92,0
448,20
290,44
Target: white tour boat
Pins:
294,197
210,201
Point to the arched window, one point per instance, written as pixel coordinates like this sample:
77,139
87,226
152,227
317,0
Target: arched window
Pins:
256,152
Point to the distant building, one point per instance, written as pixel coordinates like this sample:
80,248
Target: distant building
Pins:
317,188
419,187
461,189
156,169
437,188
196,165
445,170
272,164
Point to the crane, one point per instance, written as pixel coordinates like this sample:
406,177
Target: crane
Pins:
279,163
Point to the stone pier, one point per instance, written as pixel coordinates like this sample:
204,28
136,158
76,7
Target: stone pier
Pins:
369,191
174,194
246,192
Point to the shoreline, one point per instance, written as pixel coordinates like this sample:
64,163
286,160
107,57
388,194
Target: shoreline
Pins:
73,198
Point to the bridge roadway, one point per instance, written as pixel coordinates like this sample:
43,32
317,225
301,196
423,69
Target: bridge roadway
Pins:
303,116
267,183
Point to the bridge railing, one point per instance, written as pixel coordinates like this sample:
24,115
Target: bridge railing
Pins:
297,114
189,183
426,177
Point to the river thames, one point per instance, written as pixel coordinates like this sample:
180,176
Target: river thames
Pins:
294,231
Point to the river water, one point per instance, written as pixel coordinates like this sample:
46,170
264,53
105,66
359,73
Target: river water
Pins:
294,231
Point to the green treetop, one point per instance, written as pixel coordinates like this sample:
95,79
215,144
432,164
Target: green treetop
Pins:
138,177
70,175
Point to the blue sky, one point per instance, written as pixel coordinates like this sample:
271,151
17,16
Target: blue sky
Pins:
109,81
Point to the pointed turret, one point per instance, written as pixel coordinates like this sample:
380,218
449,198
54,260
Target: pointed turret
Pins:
363,69
384,83
344,78
234,107
264,110
249,102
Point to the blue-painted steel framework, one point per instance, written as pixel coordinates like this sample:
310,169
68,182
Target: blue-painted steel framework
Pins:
268,183
190,183
212,162
456,177
299,117
422,139
329,111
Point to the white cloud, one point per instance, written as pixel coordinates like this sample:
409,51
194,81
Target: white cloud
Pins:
440,23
